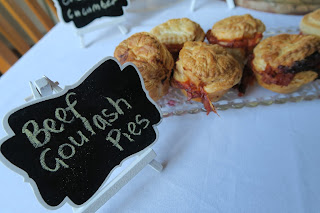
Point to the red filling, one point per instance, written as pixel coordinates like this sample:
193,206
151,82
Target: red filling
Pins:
247,79
195,92
283,75
174,47
271,76
247,43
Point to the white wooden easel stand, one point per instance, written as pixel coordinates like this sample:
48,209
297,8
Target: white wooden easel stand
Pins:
115,21
44,87
230,4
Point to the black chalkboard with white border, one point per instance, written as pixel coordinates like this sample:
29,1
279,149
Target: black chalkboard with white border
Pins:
83,12
68,144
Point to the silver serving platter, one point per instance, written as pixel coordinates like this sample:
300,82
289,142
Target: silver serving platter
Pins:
175,103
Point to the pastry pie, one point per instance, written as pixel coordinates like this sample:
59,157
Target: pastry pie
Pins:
240,34
285,62
310,23
175,32
205,72
151,57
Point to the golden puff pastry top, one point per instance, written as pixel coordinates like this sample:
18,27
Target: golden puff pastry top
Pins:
284,50
208,66
310,23
178,31
237,27
151,57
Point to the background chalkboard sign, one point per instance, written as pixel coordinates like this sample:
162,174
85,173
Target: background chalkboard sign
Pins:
68,144
83,12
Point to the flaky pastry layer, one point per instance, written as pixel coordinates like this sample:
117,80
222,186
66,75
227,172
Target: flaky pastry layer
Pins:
175,32
310,23
208,66
151,57
237,28
284,63
284,50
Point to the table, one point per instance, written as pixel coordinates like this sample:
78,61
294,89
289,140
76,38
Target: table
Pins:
262,159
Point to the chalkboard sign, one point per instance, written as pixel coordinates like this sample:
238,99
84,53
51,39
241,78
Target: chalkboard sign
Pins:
69,144
83,12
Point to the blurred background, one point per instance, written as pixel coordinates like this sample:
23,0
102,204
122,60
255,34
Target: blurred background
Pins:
22,24
295,7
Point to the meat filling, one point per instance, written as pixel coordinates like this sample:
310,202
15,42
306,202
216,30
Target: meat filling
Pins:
195,92
283,75
174,47
247,43
247,79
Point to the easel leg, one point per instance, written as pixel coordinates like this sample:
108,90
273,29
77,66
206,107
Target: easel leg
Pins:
123,29
81,40
156,165
230,4
193,4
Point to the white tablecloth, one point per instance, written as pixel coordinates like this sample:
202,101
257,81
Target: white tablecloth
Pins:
262,159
